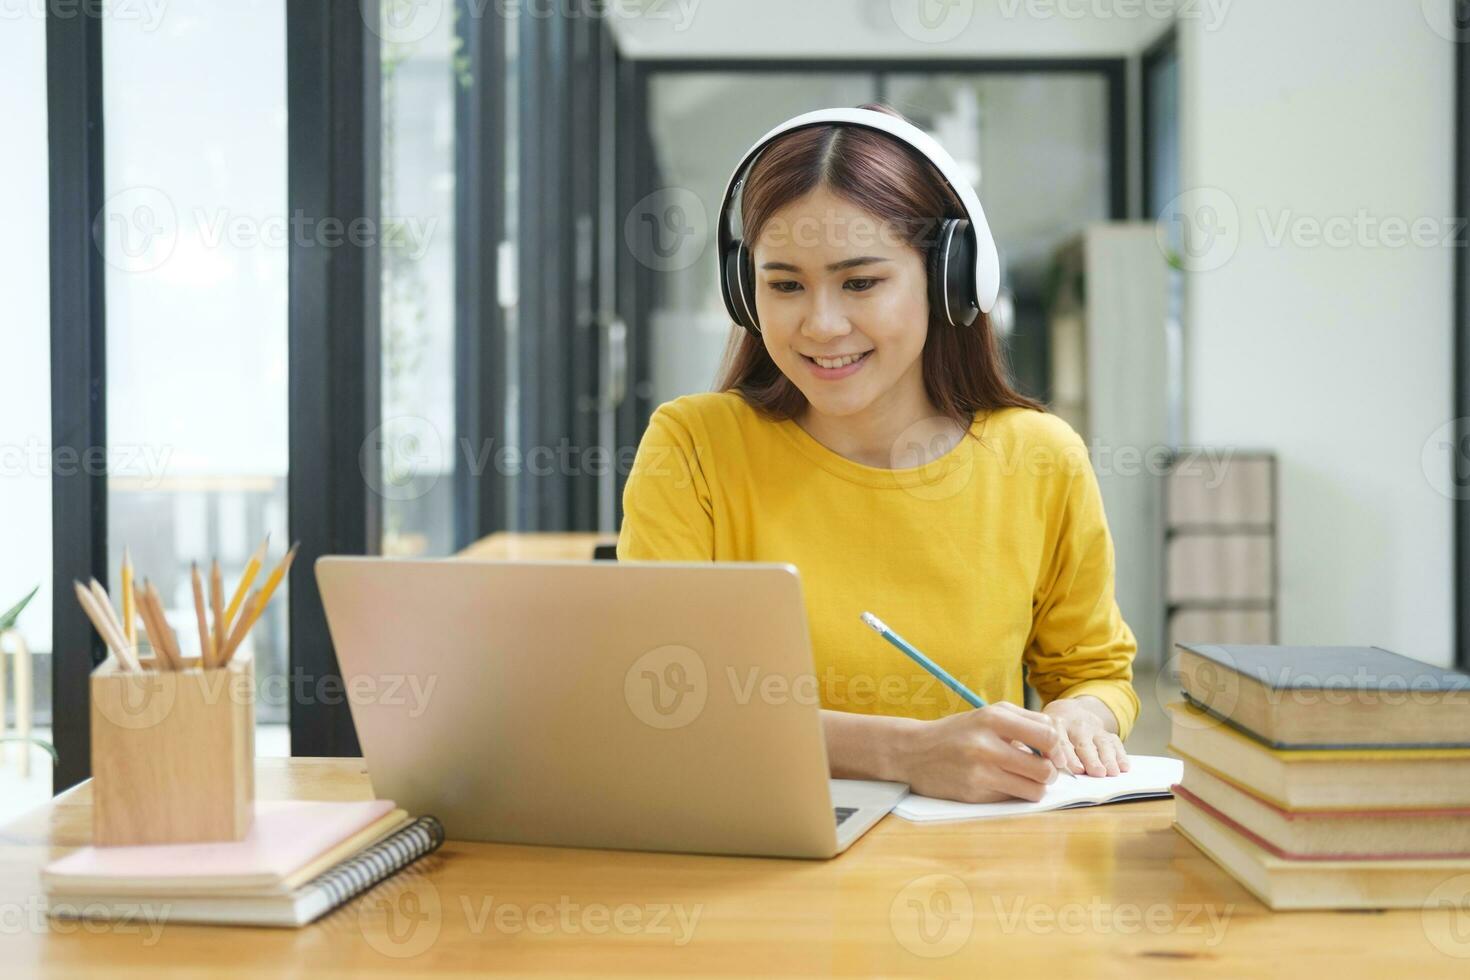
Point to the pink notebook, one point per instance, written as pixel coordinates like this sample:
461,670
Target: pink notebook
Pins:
286,837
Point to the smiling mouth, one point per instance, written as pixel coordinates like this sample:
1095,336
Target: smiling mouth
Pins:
837,362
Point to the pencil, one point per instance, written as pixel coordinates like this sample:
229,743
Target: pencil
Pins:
151,628
129,603
97,617
206,648
165,633
257,606
247,577
277,573
944,676
170,638
242,626
216,606
104,626
104,604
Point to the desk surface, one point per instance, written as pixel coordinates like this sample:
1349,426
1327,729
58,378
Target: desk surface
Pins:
1107,891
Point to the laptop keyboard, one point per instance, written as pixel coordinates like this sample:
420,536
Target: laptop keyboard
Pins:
843,812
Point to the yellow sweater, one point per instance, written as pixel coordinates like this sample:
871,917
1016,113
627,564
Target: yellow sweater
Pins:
993,556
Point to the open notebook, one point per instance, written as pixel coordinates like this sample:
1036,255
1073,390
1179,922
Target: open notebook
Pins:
1148,776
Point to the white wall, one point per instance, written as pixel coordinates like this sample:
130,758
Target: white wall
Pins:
1337,357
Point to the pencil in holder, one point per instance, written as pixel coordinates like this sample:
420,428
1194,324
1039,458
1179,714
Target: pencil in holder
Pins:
173,753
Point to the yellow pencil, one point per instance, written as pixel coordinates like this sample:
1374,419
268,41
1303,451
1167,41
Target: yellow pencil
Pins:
252,568
206,647
258,602
129,603
237,635
274,579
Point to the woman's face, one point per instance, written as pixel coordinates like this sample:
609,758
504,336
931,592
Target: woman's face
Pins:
832,282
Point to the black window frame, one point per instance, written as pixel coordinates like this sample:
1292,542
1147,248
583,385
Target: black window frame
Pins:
333,97
480,494
78,296
1166,46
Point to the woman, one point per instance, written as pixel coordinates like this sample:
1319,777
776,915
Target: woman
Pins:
881,449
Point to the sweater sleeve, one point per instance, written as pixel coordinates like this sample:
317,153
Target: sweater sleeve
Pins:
1080,643
667,513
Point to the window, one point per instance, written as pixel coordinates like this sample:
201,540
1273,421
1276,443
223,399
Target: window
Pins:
196,238
419,77
25,407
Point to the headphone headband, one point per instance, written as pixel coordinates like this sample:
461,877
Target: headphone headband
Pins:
987,259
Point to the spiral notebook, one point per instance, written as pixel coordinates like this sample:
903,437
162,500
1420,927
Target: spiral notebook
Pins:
259,906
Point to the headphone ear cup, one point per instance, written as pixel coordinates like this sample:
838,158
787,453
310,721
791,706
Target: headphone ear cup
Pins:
934,266
747,287
952,288
739,285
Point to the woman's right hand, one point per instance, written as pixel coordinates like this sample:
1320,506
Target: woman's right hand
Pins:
973,757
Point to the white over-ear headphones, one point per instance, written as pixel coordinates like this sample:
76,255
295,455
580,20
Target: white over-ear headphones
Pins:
964,267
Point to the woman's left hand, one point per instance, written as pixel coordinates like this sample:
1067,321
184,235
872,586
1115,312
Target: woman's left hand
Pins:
1090,744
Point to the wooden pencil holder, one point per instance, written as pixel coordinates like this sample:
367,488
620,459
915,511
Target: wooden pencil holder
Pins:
173,753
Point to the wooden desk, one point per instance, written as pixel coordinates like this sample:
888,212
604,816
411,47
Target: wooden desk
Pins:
1110,891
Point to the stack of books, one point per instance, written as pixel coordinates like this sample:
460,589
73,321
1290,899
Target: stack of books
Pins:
1324,777
300,860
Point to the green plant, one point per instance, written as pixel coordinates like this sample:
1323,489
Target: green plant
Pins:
8,618
50,749
7,621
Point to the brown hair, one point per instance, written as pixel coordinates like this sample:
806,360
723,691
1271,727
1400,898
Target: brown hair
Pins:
964,369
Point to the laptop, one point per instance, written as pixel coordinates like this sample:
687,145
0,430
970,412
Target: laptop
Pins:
662,706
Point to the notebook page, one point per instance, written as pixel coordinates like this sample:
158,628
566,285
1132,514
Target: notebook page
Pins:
1149,775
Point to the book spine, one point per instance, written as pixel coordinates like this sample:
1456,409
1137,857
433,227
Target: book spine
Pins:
384,859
